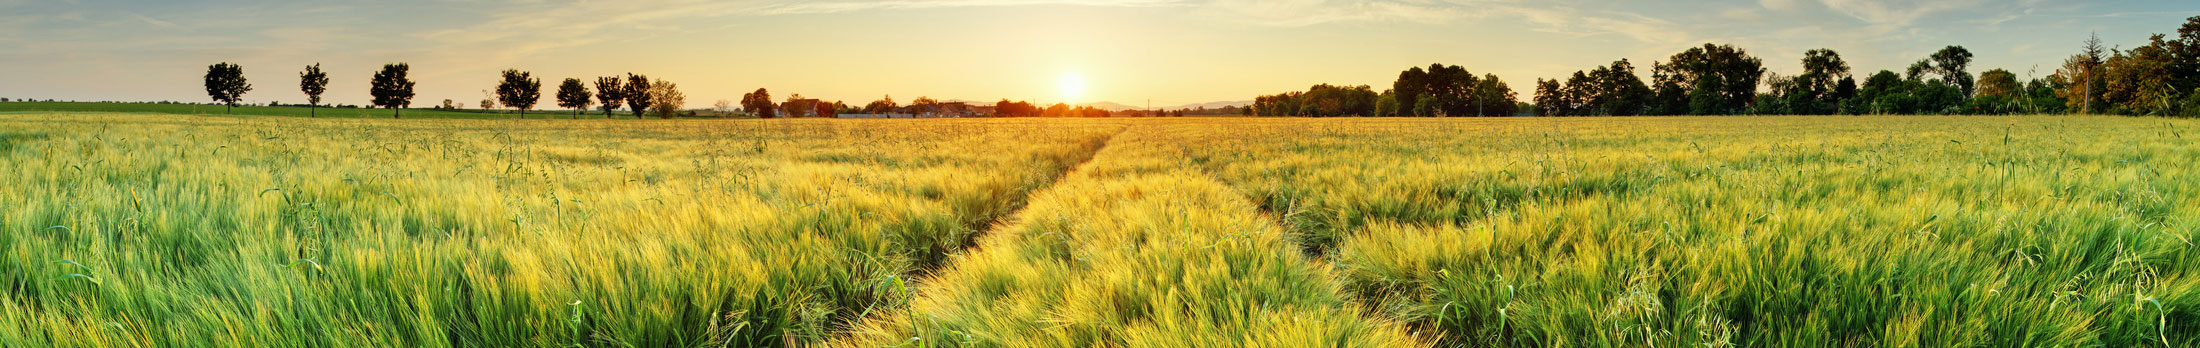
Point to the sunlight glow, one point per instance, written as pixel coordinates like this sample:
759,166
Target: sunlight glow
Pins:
1073,87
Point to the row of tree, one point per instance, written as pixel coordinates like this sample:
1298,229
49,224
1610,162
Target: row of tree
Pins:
2159,78
521,90
1707,80
392,89
1440,90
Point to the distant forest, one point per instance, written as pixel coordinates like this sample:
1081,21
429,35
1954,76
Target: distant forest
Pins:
2156,79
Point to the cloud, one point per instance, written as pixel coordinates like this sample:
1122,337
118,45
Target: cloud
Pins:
1574,22
1295,13
809,7
154,22
1885,16
1782,5
548,27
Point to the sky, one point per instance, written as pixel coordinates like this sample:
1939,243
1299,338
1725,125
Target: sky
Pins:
1134,52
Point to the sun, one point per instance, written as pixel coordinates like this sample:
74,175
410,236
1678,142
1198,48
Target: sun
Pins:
1073,86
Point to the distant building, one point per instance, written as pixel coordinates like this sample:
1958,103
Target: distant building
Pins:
804,108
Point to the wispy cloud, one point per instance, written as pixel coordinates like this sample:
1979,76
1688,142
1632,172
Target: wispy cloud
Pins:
809,7
154,22
1294,13
1580,23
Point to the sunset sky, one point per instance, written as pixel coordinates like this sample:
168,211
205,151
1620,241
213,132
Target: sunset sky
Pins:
1172,52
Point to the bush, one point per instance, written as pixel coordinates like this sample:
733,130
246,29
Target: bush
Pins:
2191,106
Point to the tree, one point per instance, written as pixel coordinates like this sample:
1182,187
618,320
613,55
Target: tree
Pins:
1550,99
2040,95
1386,105
1998,83
1409,87
1999,92
1884,93
1006,108
1713,79
225,83
1708,97
1951,64
722,106
1493,98
610,92
759,103
1058,110
667,98
313,82
520,90
1617,91
488,103
797,106
391,89
887,105
2140,81
924,105
1286,104
573,95
1818,90
1668,96
841,108
2089,71
1334,101
830,110
1441,90
2184,52
637,94
1612,90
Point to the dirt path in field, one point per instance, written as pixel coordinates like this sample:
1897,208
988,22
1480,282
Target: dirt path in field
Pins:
922,274
917,278
991,226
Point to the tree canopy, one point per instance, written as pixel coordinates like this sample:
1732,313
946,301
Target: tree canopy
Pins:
610,92
392,89
759,103
519,90
313,82
225,83
573,95
637,95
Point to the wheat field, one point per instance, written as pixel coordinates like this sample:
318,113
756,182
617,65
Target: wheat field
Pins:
140,230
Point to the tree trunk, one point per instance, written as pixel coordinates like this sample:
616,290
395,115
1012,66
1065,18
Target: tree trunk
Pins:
313,111
396,112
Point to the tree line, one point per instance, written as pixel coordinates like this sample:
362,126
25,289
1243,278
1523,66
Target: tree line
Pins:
2159,78
521,90
391,88
1440,90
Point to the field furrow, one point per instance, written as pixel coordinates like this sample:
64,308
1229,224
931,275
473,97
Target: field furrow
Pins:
129,230
152,230
1134,249
1870,232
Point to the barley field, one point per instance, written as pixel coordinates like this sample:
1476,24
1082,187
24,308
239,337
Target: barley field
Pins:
144,230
